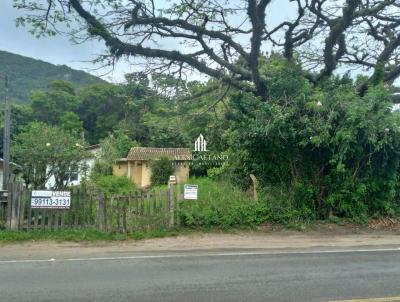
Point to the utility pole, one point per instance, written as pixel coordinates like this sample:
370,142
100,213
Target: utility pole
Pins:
6,137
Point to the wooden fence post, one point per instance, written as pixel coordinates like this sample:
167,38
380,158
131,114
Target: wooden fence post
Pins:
136,201
171,205
21,208
14,205
255,182
178,201
100,210
9,205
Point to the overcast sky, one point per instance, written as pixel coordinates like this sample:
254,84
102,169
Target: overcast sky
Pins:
59,50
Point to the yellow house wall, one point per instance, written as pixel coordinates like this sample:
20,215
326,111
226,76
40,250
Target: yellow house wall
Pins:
141,174
120,169
146,174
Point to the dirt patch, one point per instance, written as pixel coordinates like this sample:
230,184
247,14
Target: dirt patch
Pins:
388,224
343,227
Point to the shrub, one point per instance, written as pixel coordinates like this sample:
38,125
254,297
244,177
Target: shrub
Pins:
289,204
111,184
161,169
221,205
112,148
334,150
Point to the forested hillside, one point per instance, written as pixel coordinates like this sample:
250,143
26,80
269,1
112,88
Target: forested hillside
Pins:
27,74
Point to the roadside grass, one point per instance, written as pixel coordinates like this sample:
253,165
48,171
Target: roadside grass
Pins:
93,236
324,227
8,236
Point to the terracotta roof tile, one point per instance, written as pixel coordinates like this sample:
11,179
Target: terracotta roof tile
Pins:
149,153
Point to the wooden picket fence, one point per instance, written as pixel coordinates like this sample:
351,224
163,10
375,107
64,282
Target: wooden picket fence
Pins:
114,213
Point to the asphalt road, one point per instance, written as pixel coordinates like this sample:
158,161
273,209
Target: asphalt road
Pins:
214,276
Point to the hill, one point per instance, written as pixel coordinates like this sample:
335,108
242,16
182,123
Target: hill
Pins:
27,74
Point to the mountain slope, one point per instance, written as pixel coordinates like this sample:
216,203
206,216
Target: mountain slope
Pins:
27,74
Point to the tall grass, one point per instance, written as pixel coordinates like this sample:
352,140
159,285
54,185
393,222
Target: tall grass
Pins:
221,205
8,236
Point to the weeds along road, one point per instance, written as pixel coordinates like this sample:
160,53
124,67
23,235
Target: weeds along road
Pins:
229,275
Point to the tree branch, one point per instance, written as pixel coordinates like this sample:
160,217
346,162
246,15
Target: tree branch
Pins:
119,48
256,13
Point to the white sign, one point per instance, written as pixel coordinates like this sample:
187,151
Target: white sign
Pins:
51,199
172,179
190,192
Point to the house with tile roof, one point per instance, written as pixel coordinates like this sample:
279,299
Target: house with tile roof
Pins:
136,166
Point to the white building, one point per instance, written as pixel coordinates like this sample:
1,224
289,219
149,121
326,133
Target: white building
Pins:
86,167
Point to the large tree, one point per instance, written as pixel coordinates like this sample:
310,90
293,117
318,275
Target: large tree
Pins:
227,39
46,151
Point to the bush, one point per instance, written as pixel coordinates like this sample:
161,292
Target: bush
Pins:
111,184
112,148
161,169
221,205
290,204
333,151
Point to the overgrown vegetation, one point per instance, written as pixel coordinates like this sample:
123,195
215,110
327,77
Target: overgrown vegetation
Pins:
112,148
111,184
320,151
161,169
221,205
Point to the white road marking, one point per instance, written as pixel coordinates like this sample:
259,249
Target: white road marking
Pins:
385,299
194,255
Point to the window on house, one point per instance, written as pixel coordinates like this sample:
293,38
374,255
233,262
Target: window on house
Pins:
73,176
